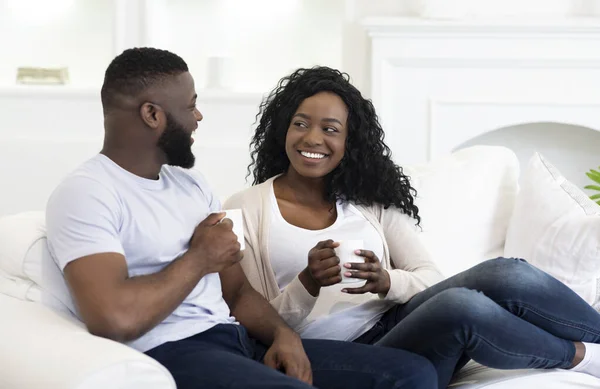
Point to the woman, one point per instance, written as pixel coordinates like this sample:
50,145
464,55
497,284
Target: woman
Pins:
323,174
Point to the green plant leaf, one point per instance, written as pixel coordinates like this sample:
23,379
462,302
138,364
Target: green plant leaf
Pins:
598,202
595,197
592,187
594,175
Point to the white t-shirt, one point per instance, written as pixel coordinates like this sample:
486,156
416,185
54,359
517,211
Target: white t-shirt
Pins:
336,315
101,208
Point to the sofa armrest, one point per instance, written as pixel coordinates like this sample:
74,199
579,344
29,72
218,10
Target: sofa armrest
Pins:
41,348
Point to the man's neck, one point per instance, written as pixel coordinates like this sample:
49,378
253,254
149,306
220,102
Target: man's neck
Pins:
146,165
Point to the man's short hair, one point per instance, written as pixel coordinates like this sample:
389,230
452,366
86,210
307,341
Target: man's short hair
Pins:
137,69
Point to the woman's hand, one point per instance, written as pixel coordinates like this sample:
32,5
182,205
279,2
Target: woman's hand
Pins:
323,267
378,279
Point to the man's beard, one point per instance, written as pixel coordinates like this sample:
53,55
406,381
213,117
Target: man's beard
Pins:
176,143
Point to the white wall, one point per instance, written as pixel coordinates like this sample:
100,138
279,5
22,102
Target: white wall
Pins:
356,43
266,38
46,132
80,36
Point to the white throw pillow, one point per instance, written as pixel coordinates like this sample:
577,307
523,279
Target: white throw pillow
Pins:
465,201
556,227
27,270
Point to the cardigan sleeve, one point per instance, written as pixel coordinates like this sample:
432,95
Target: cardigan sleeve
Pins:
293,303
413,269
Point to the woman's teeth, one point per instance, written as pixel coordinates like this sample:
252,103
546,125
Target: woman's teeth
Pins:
312,155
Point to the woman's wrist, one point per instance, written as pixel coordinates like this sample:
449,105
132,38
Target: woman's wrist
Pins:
387,284
309,282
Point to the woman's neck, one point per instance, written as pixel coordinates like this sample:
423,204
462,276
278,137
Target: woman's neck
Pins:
302,190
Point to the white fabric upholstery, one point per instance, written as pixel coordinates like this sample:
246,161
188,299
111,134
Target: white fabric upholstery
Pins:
556,227
475,376
17,234
27,271
43,349
465,200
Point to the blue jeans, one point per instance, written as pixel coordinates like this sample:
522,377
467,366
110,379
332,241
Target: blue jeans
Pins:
503,313
226,357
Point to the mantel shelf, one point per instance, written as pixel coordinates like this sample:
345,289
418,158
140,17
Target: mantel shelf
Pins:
91,92
378,26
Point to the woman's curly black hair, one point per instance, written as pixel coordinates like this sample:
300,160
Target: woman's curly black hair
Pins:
366,175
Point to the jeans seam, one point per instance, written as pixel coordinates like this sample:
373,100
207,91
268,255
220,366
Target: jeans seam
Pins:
514,354
242,342
353,370
552,319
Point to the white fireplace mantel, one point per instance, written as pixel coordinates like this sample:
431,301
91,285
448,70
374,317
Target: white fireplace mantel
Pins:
438,84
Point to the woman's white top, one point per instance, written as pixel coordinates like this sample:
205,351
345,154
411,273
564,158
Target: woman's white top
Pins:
336,315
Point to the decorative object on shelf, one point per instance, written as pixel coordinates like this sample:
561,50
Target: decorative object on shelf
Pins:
219,73
594,175
441,9
42,76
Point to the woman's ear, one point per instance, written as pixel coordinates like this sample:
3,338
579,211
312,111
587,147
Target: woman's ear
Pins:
152,115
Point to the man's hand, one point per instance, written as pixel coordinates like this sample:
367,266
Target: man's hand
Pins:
214,243
323,267
287,355
378,279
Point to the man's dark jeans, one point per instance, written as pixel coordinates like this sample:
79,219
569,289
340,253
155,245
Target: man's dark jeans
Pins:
226,357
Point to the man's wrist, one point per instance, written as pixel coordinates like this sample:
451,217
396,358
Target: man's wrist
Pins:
285,332
194,263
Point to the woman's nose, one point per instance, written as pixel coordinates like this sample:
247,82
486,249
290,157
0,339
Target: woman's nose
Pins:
314,136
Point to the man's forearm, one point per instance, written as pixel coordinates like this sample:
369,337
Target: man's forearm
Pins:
258,316
145,301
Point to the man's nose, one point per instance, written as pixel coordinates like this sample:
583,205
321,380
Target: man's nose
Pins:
198,115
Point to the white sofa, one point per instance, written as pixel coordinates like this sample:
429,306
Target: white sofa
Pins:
470,203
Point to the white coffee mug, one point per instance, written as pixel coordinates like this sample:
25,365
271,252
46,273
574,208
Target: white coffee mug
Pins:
235,215
346,253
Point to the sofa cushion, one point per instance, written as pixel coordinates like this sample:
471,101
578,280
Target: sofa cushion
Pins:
465,200
44,349
27,270
556,227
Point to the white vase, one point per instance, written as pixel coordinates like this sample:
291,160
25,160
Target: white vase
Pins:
593,8
219,73
441,9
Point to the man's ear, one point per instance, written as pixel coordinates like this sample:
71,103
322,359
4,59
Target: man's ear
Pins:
152,115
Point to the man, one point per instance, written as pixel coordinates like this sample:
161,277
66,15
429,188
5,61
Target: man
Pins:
150,263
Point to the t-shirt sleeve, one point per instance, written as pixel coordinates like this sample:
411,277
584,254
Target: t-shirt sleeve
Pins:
212,200
82,218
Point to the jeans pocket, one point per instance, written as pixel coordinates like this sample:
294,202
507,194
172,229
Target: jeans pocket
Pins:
246,344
